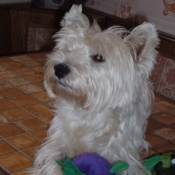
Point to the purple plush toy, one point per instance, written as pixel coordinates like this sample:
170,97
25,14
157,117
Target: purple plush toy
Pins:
91,164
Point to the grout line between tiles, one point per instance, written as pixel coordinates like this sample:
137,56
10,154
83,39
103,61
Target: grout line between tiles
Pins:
28,132
38,117
18,150
23,107
5,169
28,94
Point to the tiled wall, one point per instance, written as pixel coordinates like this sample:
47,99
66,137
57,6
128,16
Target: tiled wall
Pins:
13,1
155,11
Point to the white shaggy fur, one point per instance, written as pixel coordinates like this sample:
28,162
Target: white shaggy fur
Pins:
100,107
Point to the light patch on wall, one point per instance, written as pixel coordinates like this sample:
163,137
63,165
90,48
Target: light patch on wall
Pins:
95,4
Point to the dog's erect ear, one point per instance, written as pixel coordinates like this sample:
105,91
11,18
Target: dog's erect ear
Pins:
95,27
142,42
75,18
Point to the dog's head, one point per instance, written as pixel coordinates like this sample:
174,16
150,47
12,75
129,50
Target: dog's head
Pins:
99,69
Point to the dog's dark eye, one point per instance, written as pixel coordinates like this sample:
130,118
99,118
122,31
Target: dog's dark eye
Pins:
98,58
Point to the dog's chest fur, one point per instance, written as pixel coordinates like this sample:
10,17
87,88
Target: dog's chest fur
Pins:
82,133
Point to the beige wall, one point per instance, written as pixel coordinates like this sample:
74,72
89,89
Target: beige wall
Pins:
154,11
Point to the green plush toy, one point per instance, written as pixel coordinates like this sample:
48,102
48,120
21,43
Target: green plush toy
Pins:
161,165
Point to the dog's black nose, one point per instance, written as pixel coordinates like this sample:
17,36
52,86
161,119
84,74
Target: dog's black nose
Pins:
61,70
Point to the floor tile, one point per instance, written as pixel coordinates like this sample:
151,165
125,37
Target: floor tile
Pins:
151,153
7,74
22,142
3,120
12,65
46,118
17,114
1,97
30,88
17,81
6,104
166,133
154,111
3,85
164,106
5,60
24,100
25,103
38,109
9,130
154,140
24,172
41,58
30,152
153,125
2,69
24,71
173,141
41,96
39,69
11,92
40,134
40,84
165,148
5,148
49,104
172,112
148,154
157,99
30,63
41,61
15,162
20,59
37,55
164,118
32,124
35,78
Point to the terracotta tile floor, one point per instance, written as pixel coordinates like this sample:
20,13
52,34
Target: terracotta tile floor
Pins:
25,114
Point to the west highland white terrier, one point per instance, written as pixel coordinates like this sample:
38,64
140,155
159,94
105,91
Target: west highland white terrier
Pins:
99,81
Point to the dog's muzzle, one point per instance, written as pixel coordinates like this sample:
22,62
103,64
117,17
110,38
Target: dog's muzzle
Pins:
61,70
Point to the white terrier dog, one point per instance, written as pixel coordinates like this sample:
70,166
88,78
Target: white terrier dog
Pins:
99,81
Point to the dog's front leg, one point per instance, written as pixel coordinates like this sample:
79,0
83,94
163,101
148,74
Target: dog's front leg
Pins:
45,162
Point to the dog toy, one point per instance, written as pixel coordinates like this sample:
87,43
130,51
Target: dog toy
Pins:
164,165
93,164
